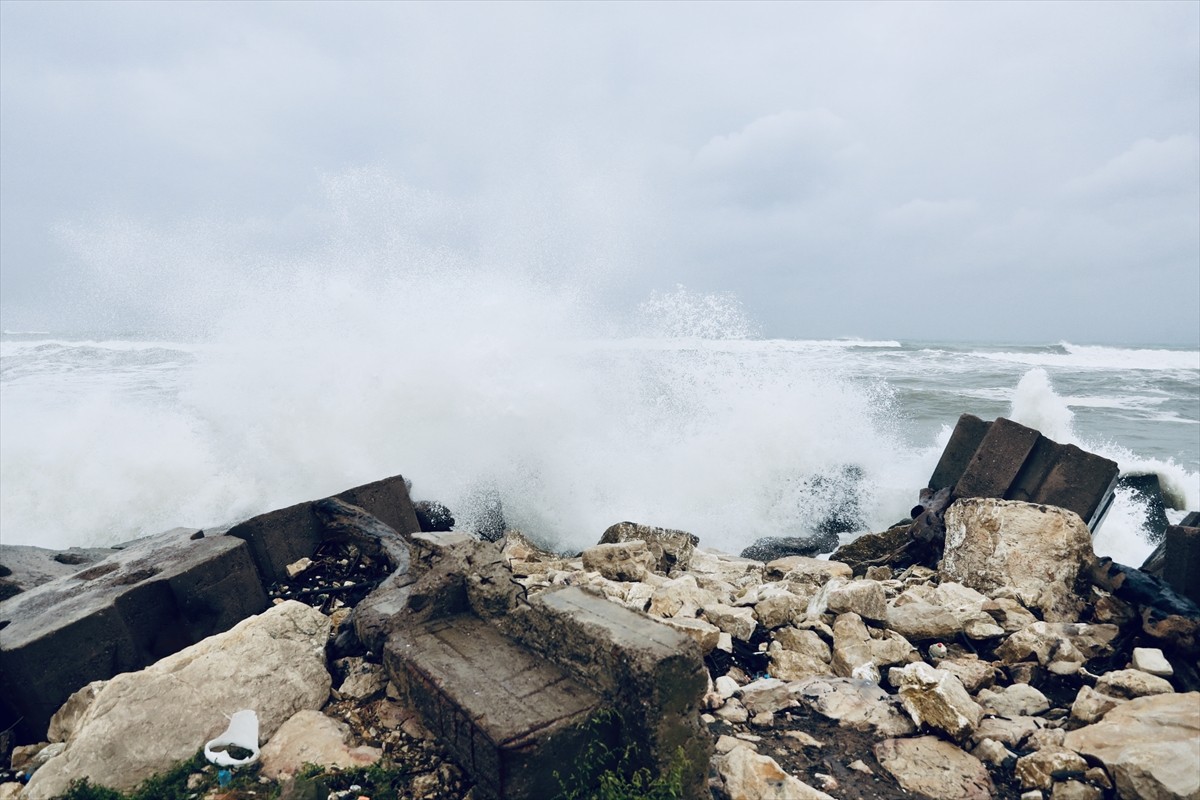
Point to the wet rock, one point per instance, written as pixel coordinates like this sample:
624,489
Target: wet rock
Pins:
310,737
860,705
1130,683
770,548
862,597
672,549
624,561
1040,551
934,769
936,698
1150,746
1019,699
273,662
746,775
1037,770
433,517
872,548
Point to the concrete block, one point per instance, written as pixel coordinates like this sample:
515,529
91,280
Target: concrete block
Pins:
653,675
277,538
964,441
147,601
1013,462
510,717
1181,563
997,461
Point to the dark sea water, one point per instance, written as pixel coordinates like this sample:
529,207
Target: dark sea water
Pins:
110,437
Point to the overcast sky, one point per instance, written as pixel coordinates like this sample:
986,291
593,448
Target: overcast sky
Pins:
946,171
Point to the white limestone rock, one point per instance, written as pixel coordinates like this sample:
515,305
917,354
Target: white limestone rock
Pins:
862,597
142,723
1038,551
854,704
620,561
1149,745
936,698
1036,770
1131,683
737,622
930,767
1152,660
750,776
1017,700
310,737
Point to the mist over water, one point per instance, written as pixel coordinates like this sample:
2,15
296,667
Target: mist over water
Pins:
403,334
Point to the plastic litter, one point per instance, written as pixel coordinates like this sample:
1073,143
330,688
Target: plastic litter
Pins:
242,732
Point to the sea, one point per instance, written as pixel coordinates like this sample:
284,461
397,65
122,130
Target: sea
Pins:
694,424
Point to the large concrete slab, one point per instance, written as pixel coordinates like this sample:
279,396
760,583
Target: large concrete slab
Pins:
653,675
510,717
278,538
123,613
1013,462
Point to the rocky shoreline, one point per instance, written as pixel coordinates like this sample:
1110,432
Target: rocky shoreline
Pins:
1003,660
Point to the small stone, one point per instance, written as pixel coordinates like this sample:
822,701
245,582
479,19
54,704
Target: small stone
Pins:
1020,699
1152,660
726,743
763,719
297,568
993,752
1075,790
726,686
804,739
733,712
858,766
1089,705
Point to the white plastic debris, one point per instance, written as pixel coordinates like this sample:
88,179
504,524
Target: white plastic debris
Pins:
242,732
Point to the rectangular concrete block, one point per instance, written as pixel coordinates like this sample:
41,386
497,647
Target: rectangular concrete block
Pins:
278,538
147,601
510,717
653,675
964,441
1181,563
997,461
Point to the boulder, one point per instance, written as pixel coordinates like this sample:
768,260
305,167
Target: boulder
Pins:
749,776
1039,551
767,694
1047,642
974,672
1131,683
672,549
1037,770
623,561
708,564
1090,706
920,622
860,705
142,723
808,572
871,548
1152,660
780,609
1017,700
310,737
1150,746
790,665
737,622
698,630
1008,614
1010,732
934,769
851,645
22,566
680,597
862,597
936,698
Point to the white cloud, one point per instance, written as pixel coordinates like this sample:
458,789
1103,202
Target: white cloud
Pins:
1149,168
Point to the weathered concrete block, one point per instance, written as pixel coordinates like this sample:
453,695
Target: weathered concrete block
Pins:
964,441
277,538
1013,462
997,461
510,717
145,602
653,675
1181,565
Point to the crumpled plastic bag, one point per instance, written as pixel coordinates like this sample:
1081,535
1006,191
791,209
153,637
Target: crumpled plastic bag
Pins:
242,732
